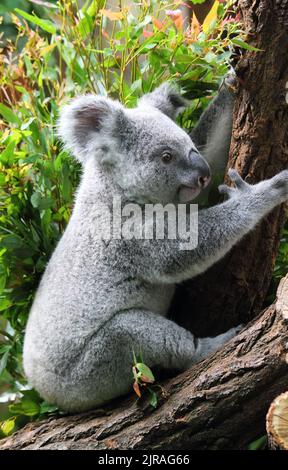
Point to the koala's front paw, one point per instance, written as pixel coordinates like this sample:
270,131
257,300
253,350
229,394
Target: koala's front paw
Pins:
279,186
241,186
271,192
231,82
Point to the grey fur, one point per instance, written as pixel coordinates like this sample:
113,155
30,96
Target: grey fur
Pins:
213,132
98,301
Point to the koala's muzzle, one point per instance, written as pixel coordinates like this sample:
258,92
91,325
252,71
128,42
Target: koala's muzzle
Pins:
201,169
199,178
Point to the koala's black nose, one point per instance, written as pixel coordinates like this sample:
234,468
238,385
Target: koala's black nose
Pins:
201,168
203,181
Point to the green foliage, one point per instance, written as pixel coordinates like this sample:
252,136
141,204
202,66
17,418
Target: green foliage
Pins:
29,405
8,28
67,50
258,444
45,25
144,381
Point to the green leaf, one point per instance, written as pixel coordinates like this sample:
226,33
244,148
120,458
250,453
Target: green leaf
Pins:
4,304
244,45
66,182
136,86
46,25
153,398
12,242
32,395
25,407
8,115
259,444
7,155
47,408
2,179
3,362
3,278
7,426
40,202
145,370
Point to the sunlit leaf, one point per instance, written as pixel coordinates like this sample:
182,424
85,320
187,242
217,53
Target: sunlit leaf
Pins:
112,15
7,426
4,304
46,25
26,407
211,17
240,43
47,49
146,374
7,155
9,115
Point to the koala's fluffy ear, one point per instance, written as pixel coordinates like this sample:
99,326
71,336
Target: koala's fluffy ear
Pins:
166,98
88,123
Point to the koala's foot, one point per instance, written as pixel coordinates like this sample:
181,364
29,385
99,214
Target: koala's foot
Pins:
207,346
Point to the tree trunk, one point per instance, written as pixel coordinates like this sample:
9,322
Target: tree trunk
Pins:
233,290
219,403
277,423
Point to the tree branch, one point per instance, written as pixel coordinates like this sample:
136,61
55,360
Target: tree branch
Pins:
219,403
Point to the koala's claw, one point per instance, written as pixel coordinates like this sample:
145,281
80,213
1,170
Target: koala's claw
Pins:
224,189
240,184
236,178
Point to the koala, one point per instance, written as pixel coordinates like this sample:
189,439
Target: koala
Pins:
99,299
212,136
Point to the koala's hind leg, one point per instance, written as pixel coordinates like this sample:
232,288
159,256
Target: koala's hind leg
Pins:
161,342
104,370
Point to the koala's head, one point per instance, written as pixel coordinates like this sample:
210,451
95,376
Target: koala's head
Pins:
142,151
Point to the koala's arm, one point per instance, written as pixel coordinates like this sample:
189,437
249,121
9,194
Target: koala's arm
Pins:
212,135
219,228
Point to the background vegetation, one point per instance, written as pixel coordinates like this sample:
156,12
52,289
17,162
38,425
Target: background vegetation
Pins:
50,52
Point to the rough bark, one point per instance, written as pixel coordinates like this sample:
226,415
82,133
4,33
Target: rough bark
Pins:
277,423
219,403
233,290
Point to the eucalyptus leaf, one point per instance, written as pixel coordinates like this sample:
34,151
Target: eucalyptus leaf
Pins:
44,24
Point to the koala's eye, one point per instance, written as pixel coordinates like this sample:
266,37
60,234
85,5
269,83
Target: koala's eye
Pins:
166,157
